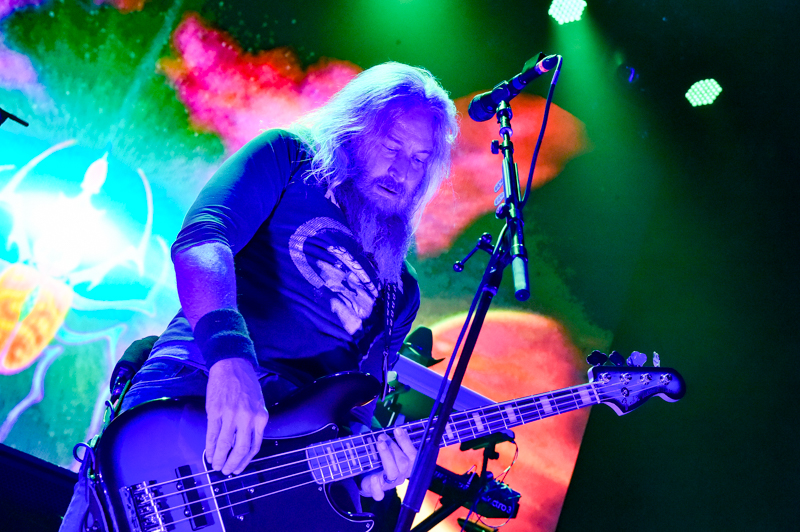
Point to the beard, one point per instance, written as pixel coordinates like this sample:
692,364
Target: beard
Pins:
385,235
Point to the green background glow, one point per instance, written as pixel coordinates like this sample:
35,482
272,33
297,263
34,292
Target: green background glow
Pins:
677,233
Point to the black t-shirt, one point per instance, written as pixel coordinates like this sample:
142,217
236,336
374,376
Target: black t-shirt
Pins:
309,295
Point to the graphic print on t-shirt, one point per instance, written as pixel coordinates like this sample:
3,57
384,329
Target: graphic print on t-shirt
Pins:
353,293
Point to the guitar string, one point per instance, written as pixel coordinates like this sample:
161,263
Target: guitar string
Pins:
567,398
228,493
220,508
318,471
494,420
564,400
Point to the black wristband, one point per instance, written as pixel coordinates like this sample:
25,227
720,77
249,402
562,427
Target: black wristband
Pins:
222,334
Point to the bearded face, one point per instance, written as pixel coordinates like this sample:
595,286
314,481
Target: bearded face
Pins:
394,169
380,199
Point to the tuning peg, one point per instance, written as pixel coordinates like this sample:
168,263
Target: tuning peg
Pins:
656,360
616,359
596,358
636,359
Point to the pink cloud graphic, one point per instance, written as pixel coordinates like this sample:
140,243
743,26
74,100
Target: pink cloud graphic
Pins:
16,70
17,73
237,94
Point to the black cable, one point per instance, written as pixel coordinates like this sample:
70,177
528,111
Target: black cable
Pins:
556,71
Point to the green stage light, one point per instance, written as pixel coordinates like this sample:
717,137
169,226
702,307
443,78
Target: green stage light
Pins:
566,10
703,92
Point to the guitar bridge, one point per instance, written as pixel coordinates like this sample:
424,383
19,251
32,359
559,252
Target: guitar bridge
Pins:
144,510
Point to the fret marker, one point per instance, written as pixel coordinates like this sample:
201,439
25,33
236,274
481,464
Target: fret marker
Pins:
371,450
478,422
449,432
512,416
334,465
351,453
546,406
585,397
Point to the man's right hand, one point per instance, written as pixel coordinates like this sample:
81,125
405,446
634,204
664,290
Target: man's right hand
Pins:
236,415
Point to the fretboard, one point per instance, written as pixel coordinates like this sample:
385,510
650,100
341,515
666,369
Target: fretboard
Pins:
353,455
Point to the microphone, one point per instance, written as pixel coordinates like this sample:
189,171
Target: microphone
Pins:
484,106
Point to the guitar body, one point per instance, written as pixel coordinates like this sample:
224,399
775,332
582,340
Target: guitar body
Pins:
154,477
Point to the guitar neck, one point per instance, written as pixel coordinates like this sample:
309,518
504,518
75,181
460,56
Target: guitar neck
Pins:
353,455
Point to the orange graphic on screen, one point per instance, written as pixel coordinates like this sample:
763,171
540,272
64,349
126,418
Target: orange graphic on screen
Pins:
32,309
520,354
61,243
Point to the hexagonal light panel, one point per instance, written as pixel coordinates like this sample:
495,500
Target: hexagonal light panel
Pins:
703,92
565,11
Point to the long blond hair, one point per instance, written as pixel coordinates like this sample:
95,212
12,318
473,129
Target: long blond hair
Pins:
345,127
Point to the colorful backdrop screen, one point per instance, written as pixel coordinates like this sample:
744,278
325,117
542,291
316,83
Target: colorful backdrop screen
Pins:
132,106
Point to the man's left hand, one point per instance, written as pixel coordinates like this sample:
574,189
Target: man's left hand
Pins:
397,460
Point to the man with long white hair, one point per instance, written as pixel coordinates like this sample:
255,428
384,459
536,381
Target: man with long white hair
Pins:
290,264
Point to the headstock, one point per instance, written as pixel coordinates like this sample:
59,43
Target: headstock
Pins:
627,384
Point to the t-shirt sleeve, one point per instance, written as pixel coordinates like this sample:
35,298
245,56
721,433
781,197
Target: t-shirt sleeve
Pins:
243,193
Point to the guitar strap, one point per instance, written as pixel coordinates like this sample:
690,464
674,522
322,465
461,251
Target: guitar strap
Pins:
85,512
390,297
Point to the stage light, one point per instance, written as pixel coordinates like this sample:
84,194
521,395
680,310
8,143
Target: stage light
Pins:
703,92
566,10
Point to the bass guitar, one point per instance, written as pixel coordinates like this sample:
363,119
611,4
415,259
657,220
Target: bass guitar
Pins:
154,477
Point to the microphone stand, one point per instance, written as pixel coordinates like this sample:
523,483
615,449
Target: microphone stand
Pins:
509,249
5,114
